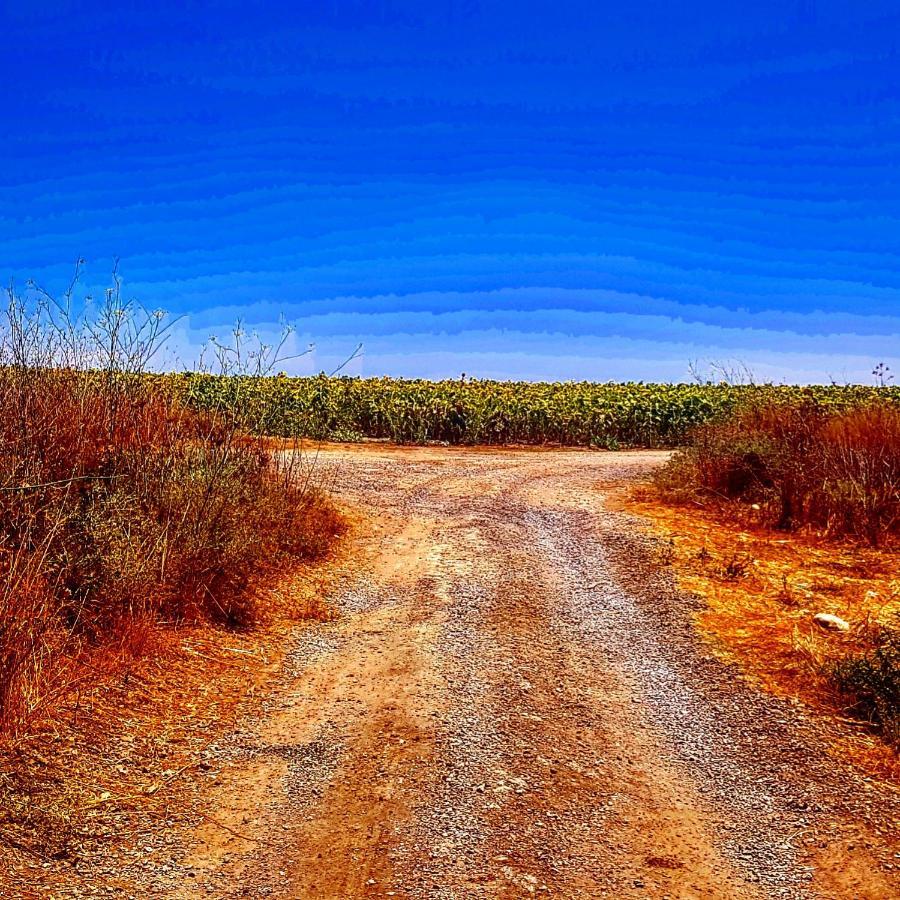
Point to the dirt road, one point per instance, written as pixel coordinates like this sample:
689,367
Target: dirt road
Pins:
514,702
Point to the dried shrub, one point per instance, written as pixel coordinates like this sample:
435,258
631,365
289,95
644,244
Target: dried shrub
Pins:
860,464
799,465
119,506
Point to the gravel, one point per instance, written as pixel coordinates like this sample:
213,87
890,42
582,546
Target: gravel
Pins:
579,739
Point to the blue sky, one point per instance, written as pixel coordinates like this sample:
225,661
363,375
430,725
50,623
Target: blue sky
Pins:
516,190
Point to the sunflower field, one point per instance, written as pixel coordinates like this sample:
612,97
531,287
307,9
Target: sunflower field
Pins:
472,411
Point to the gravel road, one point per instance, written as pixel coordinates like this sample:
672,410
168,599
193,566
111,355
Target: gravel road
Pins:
514,702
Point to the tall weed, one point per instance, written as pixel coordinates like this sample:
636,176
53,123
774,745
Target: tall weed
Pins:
800,465
118,504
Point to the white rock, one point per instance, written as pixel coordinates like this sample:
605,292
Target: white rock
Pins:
830,622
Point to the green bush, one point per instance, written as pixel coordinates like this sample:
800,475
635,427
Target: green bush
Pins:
871,681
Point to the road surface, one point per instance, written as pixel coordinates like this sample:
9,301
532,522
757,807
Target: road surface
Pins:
514,702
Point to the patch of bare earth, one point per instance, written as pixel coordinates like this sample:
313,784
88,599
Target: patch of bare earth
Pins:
100,789
514,700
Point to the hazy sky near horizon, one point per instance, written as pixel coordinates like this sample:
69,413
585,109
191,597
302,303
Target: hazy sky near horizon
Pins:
517,190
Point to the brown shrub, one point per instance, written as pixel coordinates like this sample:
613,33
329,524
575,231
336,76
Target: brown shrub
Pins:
119,507
860,463
800,465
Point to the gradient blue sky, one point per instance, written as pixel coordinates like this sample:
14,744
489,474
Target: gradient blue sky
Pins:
531,190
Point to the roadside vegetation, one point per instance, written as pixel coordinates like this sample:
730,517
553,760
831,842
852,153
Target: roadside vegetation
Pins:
472,411
826,473
121,508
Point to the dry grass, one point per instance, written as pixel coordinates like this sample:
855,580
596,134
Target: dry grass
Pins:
128,742
139,542
120,509
798,465
830,475
762,618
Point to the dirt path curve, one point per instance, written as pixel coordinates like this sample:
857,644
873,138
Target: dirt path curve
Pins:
514,702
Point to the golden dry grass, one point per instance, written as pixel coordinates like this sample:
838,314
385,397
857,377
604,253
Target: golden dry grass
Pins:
126,741
761,590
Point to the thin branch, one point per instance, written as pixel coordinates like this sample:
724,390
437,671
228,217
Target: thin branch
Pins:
46,484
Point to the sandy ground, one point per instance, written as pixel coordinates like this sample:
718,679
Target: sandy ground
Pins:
513,702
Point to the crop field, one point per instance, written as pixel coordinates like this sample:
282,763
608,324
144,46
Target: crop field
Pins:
607,415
